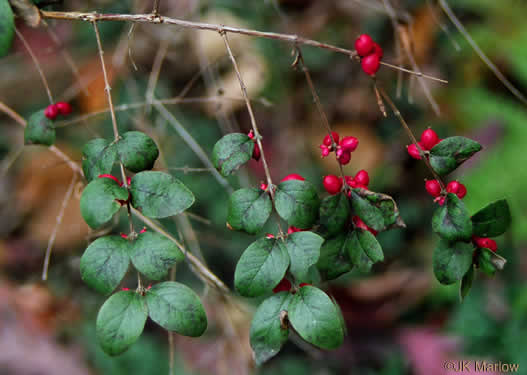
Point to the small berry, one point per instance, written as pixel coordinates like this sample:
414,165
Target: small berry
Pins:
349,144
124,236
51,111
125,289
433,188
364,45
440,200
256,152
413,151
269,236
142,230
344,158
128,181
371,64
453,187
304,284
462,191
110,177
324,150
350,181
283,286
327,139
362,178
251,134
293,176
263,186
332,184
377,50
64,108
486,243
362,225
429,139
293,229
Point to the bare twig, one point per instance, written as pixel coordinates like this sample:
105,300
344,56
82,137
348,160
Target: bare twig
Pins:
154,74
59,218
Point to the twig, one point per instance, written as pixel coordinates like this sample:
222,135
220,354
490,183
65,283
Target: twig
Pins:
154,74
37,65
415,73
59,218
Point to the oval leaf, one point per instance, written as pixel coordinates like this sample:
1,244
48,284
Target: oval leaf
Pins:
304,251
232,151
39,130
451,152
387,207
334,213
137,151
452,261
99,201
297,202
466,283
98,157
316,319
176,307
493,220
104,263
334,259
153,255
249,210
159,194
367,242
267,335
120,322
452,221
367,211
261,267
7,27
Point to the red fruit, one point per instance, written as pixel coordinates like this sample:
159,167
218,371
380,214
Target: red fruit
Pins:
263,186
440,200
256,152
324,150
413,151
327,139
462,191
362,225
344,158
485,242
332,184
269,236
293,229
433,188
124,236
283,286
349,144
142,230
304,284
364,45
51,111
64,108
350,181
251,134
371,64
125,289
110,177
293,176
377,50
362,178
429,139
453,187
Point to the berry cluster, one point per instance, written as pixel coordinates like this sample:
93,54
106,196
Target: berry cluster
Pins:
60,108
433,187
342,147
333,184
370,52
429,139
256,150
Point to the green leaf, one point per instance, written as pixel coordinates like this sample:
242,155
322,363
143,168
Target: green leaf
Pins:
334,259
492,220
7,27
490,262
466,283
137,151
452,261
367,211
104,263
232,151
153,255
451,152
387,206
249,210
39,130
98,157
334,213
159,194
176,307
261,267
297,202
367,243
304,251
316,319
99,201
452,221
120,321
267,335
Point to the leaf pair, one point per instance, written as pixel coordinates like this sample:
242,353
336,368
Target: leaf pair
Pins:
231,152
451,152
310,311
106,261
265,262
172,305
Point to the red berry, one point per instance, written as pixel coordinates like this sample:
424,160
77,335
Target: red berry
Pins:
269,236
440,200
128,181
364,45
256,152
125,289
413,151
362,178
429,139
304,284
64,108
332,184
485,242
349,144
251,134
362,225
327,139
350,181
453,187
324,150
283,286
110,177
344,158
51,111
263,186
433,188
124,236
293,176
377,50
142,230
370,64
462,191
293,229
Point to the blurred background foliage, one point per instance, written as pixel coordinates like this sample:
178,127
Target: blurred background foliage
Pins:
399,319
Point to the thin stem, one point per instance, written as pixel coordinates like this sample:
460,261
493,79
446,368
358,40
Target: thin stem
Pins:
59,218
155,9
37,65
415,73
